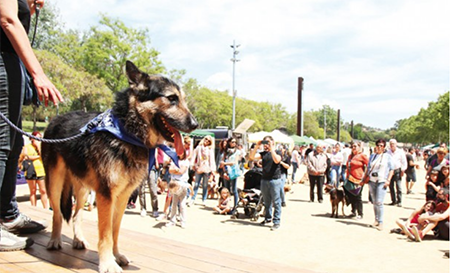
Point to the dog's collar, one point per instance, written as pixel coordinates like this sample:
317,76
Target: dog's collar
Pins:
108,122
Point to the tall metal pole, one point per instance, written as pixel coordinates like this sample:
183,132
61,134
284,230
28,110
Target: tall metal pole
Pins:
338,135
300,107
234,60
324,122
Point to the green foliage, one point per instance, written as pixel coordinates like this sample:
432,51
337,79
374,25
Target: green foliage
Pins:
80,90
430,125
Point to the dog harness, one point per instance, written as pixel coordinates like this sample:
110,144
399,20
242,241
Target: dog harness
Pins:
108,122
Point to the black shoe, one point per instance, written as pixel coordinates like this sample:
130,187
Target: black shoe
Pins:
275,227
392,204
24,225
263,223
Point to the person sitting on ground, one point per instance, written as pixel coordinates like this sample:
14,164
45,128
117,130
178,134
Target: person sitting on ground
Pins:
431,186
413,220
439,222
224,202
444,182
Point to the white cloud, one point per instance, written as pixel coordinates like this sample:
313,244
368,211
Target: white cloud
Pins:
376,60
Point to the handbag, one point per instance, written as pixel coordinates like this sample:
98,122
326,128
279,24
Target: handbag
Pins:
28,168
233,171
30,95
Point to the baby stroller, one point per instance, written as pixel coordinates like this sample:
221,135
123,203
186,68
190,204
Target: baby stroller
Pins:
250,197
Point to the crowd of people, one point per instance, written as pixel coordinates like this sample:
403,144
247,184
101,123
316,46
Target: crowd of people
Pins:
348,168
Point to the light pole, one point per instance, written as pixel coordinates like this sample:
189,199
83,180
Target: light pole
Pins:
234,60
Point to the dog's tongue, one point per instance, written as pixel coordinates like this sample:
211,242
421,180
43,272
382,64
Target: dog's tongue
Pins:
178,142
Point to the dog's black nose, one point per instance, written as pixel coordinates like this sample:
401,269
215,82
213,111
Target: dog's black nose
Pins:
194,123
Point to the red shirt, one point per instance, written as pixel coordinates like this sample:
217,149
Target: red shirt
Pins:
357,164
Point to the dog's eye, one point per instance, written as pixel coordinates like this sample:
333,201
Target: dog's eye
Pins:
173,99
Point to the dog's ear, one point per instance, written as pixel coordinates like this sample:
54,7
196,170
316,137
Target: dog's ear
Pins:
135,76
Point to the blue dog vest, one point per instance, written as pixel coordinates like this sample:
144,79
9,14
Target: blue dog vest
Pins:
107,122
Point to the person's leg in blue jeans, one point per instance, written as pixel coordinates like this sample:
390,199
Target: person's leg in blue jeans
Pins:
282,196
294,170
233,183
378,192
198,177
205,177
267,198
275,185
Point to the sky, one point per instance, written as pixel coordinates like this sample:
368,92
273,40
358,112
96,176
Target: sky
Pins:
378,61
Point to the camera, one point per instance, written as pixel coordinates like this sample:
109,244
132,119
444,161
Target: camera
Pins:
374,174
264,142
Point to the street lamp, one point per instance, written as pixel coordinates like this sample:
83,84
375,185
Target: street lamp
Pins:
234,60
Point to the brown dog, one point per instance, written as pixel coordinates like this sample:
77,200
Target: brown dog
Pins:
336,196
151,111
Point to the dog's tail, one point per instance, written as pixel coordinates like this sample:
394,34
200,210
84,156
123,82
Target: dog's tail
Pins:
66,201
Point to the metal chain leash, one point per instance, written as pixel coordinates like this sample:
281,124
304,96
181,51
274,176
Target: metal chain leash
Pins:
45,140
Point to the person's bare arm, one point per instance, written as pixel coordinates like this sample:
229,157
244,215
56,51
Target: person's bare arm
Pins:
435,217
17,35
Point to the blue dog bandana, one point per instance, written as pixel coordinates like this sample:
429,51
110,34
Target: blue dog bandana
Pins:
107,122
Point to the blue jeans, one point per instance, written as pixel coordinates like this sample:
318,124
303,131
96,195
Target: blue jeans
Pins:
377,192
294,170
270,190
334,175
204,177
343,172
11,142
234,190
283,182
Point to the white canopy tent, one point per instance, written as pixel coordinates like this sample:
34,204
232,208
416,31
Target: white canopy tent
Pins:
278,137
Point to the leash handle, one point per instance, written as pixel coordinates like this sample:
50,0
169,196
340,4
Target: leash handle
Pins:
37,9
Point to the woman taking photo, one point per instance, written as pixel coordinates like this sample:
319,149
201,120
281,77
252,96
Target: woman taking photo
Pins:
34,170
356,167
203,162
380,172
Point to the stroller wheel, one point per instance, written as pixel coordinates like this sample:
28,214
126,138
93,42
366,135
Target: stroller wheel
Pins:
248,212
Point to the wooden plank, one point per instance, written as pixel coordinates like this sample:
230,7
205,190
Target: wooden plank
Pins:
6,266
147,253
30,263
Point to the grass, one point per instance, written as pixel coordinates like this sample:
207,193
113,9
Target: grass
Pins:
27,126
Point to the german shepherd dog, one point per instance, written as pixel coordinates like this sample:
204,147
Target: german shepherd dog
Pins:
153,109
336,196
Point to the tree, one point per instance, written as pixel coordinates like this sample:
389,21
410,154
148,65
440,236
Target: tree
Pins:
79,89
429,125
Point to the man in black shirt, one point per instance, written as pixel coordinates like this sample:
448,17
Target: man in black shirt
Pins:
310,149
271,181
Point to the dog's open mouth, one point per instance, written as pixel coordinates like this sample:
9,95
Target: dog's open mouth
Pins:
170,134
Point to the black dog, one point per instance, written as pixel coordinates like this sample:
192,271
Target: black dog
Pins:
336,196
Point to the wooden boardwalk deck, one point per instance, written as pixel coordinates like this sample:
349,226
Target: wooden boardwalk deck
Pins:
148,254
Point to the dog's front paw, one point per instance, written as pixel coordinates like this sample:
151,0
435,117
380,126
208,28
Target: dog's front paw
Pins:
80,243
109,267
122,260
54,244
